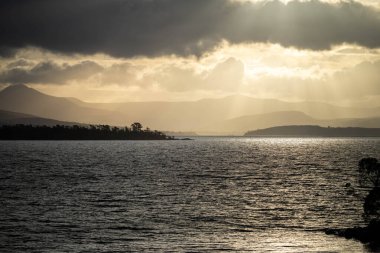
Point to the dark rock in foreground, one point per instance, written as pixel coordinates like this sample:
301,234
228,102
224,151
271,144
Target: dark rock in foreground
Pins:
369,234
369,170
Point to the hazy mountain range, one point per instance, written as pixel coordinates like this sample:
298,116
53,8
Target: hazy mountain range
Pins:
12,118
229,115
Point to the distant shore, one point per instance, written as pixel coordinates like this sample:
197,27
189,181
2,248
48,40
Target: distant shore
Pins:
314,131
75,132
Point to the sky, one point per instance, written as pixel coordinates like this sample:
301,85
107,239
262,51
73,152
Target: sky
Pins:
181,50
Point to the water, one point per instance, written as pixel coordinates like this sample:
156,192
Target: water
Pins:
221,194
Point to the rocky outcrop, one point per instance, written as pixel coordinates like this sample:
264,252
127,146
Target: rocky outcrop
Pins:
369,234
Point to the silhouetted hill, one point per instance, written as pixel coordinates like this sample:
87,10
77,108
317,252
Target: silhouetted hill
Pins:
20,98
209,115
316,131
214,115
229,115
245,123
281,118
13,118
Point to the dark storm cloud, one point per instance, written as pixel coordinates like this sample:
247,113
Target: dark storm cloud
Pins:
127,28
49,72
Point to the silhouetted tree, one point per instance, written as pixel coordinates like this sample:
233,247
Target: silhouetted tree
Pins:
136,127
369,169
369,172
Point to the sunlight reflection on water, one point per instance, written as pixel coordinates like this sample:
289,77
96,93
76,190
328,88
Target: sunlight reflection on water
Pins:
237,194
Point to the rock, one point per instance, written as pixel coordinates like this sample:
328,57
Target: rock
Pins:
369,234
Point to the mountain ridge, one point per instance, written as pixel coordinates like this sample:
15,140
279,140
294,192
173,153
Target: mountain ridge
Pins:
257,121
14,118
230,115
22,99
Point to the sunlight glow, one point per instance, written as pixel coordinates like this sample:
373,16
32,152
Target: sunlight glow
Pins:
373,3
255,69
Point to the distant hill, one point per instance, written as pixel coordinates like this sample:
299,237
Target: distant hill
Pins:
229,115
13,118
281,118
20,98
245,123
59,132
208,115
315,131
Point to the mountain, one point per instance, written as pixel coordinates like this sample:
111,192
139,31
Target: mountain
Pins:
237,106
228,115
20,98
12,118
208,114
315,131
250,122
245,123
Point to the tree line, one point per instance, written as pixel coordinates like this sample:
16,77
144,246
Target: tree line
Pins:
76,132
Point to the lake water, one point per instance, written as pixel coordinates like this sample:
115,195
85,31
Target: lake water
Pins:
208,194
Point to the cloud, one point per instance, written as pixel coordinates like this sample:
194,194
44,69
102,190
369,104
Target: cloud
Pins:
362,80
129,28
123,74
224,76
359,82
227,75
19,63
48,72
